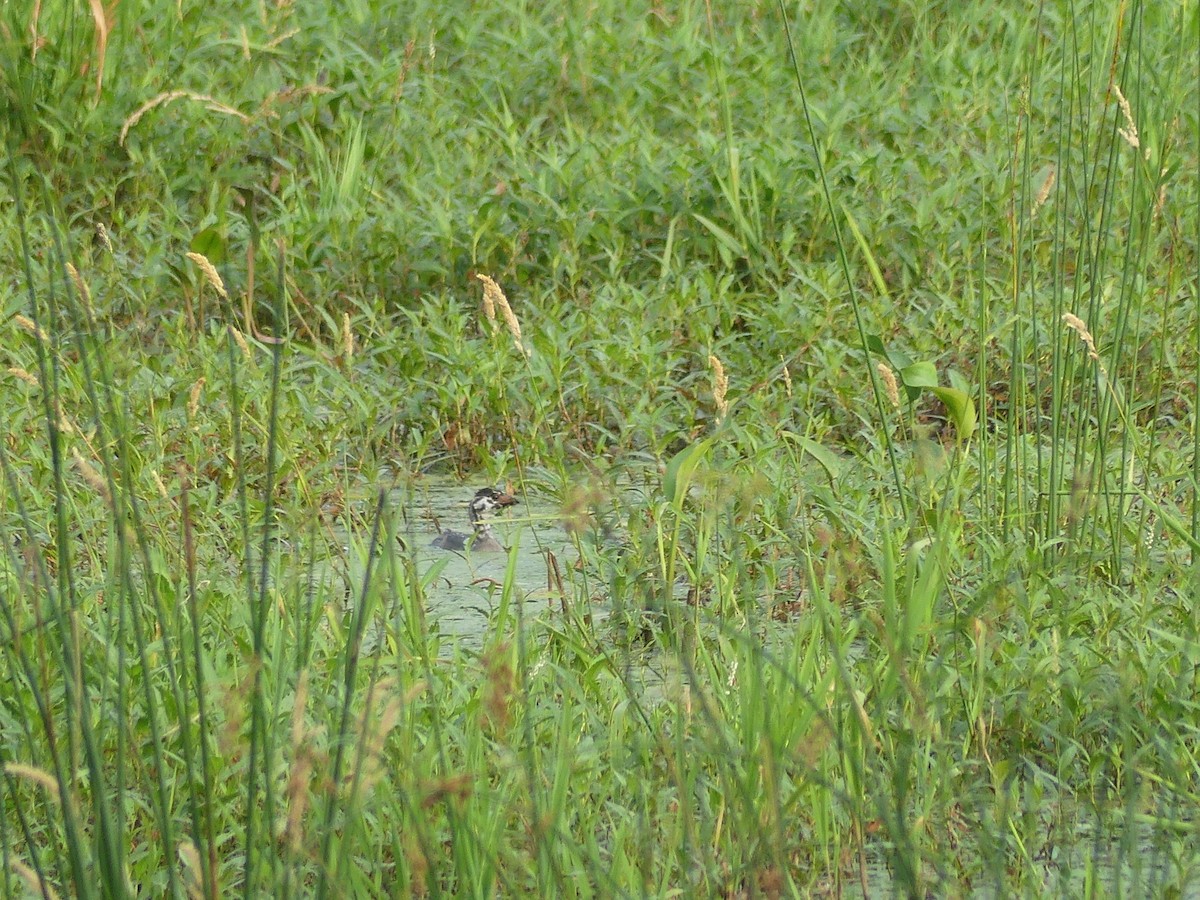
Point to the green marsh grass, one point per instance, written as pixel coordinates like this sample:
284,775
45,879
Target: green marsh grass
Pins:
858,343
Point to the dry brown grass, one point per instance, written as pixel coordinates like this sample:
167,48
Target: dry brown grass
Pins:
170,97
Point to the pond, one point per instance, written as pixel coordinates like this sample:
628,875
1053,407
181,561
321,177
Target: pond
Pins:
458,598
463,587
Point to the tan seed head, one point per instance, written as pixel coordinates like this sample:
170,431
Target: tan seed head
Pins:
1043,193
23,375
28,324
91,477
494,298
1129,132
1077,325
347,339
210,273
890,387
720,386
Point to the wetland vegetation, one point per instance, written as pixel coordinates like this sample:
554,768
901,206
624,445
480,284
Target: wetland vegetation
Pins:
844,357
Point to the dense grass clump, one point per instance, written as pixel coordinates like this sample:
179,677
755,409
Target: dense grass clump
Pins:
856,346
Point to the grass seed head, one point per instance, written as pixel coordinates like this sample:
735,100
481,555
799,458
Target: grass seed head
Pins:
1077,325
490,291
40,777
375,733
514,327
240,340
210,103
81,287
301,770
890,387
347,339
1129,132
453,787
194,398
160,485
28,324
1043,193
493,299
499,688
91,477
211,275
720,386
31,878
23,375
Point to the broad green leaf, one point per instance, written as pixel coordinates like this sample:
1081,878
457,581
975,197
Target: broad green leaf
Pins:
917,377
677,479
826,458
724,238
961,408
958,381
897,359
209,244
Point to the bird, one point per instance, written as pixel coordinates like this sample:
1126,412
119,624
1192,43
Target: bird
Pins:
481,540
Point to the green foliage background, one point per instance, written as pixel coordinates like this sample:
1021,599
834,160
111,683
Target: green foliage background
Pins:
953,637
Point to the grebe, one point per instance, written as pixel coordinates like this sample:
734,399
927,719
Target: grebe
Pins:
481,539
